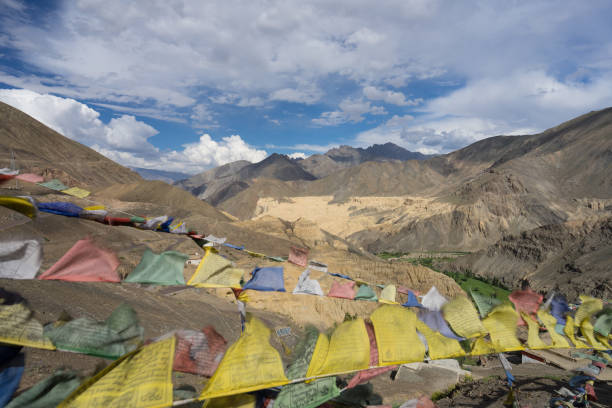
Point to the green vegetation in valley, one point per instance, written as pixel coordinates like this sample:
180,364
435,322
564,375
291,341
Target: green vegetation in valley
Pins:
468,281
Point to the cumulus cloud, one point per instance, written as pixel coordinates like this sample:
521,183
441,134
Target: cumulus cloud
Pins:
351,110
392,97
308,95
125,139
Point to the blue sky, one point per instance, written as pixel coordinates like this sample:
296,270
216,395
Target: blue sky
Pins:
187,85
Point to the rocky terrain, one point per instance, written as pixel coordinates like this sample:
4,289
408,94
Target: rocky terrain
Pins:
572,258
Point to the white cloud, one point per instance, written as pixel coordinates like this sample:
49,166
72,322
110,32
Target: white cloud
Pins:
125,139
351,110
392,97
307,95
523,103
202,117
298,155
235,99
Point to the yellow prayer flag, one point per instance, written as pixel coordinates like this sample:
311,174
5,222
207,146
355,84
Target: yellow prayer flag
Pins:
533,338
501,324
19,204
95,208
140,379
388,295
214,271
249,364
232,401
558,341
396,336
587,331
603,341
18,327
569,331
463,318
76,192
439,345
318,356
482,346
349,349
588,307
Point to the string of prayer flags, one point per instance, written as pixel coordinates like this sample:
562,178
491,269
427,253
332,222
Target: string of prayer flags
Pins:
526,301
433,300
84,262
303,395
366,375
439,346
388,295
214,271
298,256
163,269
49,392
347,350
198,352
463,317
343,290
17,323
249,364
76,192
307,286
365,292
118,335
141,379
23,205
396,336
54,184
20,259
268,279
484,303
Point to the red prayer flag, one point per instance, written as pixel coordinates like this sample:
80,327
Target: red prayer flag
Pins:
84,262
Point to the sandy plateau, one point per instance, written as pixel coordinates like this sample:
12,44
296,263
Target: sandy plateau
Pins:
352,215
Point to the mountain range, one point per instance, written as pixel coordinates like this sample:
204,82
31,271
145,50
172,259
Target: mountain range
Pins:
496,198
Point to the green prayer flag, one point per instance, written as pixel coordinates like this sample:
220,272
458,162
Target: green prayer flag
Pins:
603,324
54,184
118,335
366,293
484,303
163,269
302,395
48,392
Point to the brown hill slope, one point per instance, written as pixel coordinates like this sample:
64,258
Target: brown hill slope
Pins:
41,150
572,258
178,202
